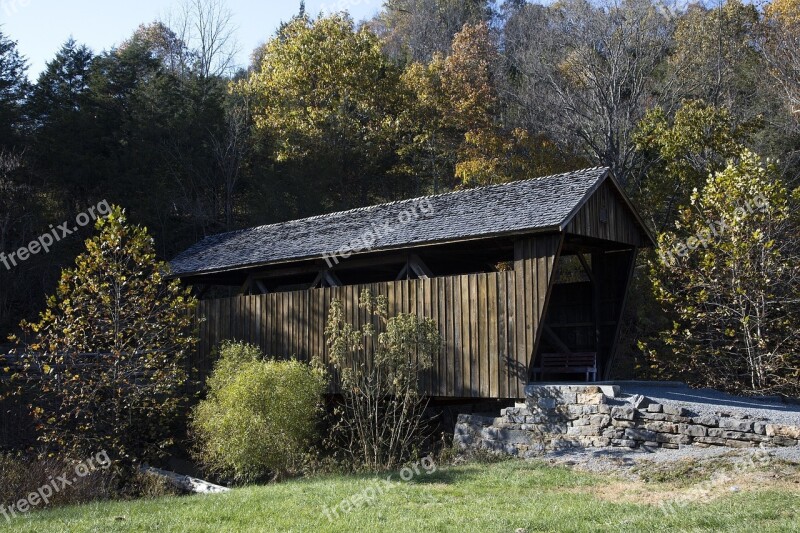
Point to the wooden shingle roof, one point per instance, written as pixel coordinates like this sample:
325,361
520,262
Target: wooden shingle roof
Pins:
530,206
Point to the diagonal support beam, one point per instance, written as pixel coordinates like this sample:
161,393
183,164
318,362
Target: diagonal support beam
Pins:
555,339
332,279
326,278
587,268
245,288
403,273
419,267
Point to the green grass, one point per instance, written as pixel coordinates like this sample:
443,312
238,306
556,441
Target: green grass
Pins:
475,497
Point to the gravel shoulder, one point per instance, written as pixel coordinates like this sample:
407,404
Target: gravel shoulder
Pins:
709,401
628,463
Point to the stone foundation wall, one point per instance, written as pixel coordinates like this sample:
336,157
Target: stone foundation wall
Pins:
557,417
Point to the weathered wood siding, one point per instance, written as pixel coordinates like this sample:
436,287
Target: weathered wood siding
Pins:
489,322
620,224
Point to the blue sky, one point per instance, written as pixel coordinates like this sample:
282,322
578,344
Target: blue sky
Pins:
41,26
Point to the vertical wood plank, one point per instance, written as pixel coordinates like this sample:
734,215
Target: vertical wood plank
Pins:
442,322
474,351
466,375
483,337
258,329
530,295
502,335
520,356
493,351
285,326
430,312
454,292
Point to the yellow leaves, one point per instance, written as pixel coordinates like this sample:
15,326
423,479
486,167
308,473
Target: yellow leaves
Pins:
492,155
467,77
319,80
576,68
786,12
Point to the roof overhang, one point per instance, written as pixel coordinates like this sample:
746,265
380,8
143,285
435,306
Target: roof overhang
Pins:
364,253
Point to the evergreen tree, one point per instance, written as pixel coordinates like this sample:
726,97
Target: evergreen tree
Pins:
13,91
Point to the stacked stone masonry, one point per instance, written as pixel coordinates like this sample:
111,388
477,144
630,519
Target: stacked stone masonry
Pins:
568,416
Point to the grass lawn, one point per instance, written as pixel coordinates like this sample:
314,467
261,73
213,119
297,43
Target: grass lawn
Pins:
475,497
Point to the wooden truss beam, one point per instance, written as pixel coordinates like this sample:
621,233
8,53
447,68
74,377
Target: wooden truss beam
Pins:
415,265
548,332
326,278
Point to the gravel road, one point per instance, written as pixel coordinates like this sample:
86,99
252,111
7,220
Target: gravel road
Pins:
708,401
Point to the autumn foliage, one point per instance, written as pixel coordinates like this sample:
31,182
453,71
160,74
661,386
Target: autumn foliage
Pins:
107,357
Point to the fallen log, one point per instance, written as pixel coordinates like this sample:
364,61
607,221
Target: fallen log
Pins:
186,483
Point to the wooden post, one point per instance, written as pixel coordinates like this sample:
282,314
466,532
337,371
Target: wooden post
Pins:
626,288
598,274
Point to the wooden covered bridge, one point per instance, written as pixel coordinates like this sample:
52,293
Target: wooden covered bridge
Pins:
526,280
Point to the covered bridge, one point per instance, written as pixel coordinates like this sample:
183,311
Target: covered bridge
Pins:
520,277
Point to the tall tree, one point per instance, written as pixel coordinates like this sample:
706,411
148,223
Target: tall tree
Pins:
729,277
205,28
107,356
327,97
166,46
59,107
455,132
719,57
416,30
64,81
781,47
13,91
454,99
679,152
715,57
588,70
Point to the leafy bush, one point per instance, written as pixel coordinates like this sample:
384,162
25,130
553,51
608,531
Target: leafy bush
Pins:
259,416
380,423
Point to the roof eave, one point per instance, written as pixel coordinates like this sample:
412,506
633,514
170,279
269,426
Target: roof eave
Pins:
426,244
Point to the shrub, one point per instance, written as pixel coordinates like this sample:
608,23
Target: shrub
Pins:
151,486
380,423
21,476
259,416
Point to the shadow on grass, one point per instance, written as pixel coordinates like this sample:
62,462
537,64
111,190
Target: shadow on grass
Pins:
540,472
444,474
